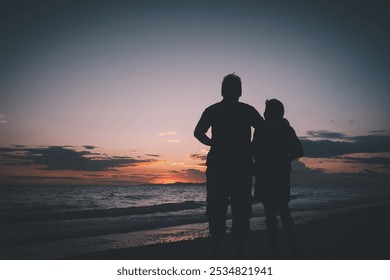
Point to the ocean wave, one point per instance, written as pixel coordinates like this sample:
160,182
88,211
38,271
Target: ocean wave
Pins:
33,215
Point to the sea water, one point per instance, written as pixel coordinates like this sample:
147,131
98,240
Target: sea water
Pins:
58,221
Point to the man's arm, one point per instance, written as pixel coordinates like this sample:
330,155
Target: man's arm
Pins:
201,130
201,135
257,120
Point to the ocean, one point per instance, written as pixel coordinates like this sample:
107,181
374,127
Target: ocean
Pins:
55,222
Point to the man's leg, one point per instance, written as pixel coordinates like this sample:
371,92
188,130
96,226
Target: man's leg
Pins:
217,204
241,203
217,228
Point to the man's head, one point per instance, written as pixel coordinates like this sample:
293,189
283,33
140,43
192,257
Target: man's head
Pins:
274,110
231,87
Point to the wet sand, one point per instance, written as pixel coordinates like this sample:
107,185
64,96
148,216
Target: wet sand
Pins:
362,234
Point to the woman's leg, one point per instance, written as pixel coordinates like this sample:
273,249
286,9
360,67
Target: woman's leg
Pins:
288,225
271,223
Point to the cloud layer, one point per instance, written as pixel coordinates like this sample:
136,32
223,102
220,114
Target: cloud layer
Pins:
333,158
330,158
336,144
66,158
3,119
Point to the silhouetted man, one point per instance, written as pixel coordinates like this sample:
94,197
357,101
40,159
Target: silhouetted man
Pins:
229,162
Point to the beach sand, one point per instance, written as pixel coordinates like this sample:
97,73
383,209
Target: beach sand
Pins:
362,234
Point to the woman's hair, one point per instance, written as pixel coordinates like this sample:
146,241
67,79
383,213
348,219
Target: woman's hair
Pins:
274,110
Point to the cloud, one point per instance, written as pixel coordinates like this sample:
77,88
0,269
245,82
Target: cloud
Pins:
167,133
197,157
65,158
2,149
152,155
333,158
174,140
325,134
351,144
176,163
382,131
372,160
3,119
170,133
89,147
193,175
302,175
380,162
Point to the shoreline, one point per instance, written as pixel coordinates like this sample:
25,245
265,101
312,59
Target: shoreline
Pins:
359,234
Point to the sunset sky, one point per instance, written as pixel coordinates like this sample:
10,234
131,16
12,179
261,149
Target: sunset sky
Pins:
109,92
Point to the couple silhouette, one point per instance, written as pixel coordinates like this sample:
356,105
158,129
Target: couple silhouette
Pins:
235,157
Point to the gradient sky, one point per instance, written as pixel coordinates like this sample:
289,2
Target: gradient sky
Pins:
109,92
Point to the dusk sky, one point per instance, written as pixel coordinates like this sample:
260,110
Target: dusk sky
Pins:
109,92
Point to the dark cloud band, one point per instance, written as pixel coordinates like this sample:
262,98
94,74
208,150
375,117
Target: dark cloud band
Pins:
65,158
337,144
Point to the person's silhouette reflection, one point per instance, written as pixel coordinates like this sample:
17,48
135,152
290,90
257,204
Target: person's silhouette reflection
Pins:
229,162
275,145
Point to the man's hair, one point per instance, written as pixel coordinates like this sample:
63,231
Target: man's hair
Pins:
274,109
231,86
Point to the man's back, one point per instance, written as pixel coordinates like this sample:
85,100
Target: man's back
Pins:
229,177
230,123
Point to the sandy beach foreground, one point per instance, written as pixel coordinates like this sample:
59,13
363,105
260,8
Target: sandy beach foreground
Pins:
362,234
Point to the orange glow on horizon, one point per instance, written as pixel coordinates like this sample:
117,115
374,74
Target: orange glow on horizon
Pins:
144,173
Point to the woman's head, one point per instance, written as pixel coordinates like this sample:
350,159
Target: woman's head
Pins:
274,110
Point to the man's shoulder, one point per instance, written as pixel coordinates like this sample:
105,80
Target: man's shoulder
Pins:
239,107
250,111
214,107
247,106
222,104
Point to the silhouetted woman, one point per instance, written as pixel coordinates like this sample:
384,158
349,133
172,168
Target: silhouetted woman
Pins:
275,145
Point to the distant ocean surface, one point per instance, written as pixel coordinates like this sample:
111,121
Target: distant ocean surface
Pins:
53,222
